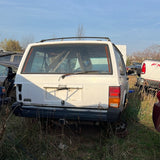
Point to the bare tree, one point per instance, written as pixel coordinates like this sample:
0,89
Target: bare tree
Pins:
152,52
80,31
26,40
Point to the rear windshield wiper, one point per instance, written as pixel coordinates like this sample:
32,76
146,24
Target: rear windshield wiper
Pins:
75,73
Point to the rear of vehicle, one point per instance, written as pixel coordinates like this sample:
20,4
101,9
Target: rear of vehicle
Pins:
134,69
150,74
75,80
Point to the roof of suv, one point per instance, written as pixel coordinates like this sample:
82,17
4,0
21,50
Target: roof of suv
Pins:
77,38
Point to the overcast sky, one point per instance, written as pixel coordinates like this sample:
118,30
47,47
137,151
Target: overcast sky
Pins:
135,23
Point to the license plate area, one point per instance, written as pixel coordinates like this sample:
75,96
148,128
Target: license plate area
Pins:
66,93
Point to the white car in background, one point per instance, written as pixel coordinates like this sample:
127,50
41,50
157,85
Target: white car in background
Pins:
150,74
62,78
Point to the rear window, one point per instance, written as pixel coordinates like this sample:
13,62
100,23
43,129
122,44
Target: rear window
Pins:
5,58
17,59
68,58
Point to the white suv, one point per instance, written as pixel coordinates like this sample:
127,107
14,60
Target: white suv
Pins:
72,80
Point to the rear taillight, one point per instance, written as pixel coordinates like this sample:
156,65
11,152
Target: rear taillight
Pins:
19,91
114,96
143,70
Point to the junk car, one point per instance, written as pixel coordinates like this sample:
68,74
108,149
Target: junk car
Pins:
82,79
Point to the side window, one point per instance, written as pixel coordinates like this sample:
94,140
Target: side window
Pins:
120,62
17,59
5,58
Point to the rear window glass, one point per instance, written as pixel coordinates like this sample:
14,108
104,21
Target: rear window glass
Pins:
68,58
5,58
17,59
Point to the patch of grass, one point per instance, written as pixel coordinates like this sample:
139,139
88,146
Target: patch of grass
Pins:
29,139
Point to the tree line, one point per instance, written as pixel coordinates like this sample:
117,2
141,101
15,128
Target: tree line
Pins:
14,45
152,52
11,45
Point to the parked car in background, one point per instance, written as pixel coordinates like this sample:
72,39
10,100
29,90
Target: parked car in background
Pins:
4,68
12,57
7,87
66,79
156,113
3,73
9,63
135,68
150,75
8,59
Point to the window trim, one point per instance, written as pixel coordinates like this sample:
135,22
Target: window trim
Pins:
108,56
121,57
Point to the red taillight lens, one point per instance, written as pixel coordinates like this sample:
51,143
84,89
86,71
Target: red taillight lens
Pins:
143,70
114,91
114,96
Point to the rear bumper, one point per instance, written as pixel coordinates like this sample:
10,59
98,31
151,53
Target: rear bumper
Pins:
153,84
80,114
148,83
